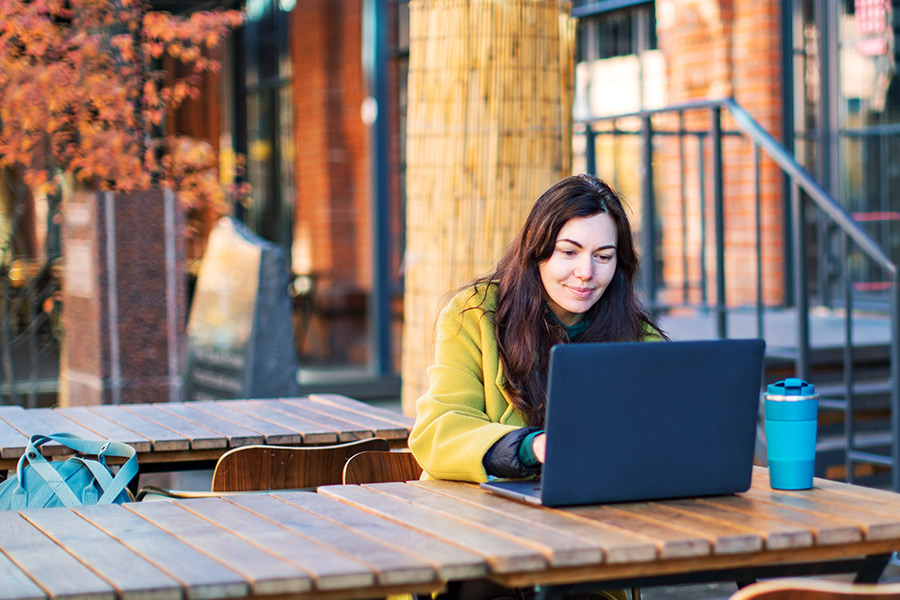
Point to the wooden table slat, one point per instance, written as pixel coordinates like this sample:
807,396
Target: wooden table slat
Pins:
200,576
312,433
381,427
883,506
28,423
12,441
390,566
162,439
367,409
558,546
133,577
451,561
502,554
857,491
59,423
272,432
872,525
104,427
670,542
263,571
775,534
16,584
328,569
825,531
201,438
237,435
346,431
56,571
890,513
618,545
724,537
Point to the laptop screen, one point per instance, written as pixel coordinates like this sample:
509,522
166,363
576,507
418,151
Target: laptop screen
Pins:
638,421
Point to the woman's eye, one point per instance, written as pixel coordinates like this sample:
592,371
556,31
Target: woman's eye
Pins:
603,258
567,252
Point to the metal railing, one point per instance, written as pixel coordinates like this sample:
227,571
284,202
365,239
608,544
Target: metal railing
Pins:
667,128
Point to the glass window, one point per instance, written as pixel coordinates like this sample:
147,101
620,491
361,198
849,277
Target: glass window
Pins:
847,113
270,137
610,33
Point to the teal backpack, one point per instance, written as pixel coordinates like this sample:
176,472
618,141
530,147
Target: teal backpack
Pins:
76,481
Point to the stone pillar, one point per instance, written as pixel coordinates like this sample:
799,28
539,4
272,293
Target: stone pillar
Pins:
123,297
489,129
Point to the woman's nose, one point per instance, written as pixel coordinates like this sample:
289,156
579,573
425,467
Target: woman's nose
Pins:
584,269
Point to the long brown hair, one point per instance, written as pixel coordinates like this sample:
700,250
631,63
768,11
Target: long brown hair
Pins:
525,330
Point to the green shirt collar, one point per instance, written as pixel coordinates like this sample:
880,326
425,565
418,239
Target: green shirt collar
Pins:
573,331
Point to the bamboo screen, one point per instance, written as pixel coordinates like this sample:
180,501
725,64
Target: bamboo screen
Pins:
489,128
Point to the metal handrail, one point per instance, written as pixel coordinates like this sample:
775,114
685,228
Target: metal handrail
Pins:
782,158
803,178
799,179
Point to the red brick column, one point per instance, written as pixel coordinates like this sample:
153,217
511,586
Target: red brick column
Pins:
123,297
716,49
331,227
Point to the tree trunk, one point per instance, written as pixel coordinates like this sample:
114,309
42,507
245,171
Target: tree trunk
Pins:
489,129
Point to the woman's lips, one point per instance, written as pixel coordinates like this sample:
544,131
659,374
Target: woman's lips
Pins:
581,292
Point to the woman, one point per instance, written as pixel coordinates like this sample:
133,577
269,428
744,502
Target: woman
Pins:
567,277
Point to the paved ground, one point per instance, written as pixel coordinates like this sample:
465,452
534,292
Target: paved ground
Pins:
826,328
721,591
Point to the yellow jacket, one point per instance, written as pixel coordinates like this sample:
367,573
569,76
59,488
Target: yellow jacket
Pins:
466,408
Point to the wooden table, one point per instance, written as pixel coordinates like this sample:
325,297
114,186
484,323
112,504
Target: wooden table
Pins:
278,545
184,435
833,528
370,541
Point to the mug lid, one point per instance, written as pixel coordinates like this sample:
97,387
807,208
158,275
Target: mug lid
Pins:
792,387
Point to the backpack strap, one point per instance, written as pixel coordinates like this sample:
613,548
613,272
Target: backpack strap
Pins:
111,486
55,483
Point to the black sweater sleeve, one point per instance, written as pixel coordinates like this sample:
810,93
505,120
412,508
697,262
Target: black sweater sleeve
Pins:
502,459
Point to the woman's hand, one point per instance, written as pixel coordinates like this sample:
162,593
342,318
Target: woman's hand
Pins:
539,446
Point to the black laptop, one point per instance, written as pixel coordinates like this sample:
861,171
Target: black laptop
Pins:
647,421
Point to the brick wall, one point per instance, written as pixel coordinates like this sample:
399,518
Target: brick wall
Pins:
331,231
716,49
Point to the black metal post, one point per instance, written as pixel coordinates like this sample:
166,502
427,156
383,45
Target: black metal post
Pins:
788,8
590,150
760,300
375,61
895,382
648,215
801,296
849,408
616,153
701,178
719,209
682,170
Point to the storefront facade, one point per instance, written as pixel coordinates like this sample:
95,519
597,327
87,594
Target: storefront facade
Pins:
300,102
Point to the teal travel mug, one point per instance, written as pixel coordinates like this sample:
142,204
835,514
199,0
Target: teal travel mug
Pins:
792,408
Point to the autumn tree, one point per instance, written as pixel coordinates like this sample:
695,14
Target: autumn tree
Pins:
83,99
81,94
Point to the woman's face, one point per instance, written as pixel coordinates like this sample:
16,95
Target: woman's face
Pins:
581,266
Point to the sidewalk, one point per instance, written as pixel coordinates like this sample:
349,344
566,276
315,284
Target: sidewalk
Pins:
721,591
